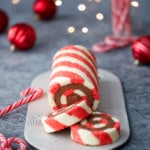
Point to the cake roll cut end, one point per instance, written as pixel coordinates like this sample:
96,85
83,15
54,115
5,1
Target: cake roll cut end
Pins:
97,129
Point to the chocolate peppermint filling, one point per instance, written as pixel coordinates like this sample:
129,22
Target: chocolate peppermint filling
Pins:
91,120
71,99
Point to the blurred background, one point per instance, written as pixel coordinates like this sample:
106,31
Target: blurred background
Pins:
83,22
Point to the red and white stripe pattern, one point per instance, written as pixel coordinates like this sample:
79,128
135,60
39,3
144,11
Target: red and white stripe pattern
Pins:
30,94
97,129
113,42
73,65
5,144
66,117
121,27
19,141
121,23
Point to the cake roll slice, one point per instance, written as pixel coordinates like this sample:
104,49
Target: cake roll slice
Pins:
73,78
97,129
66,117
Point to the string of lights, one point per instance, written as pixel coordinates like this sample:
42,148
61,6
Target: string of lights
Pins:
99,16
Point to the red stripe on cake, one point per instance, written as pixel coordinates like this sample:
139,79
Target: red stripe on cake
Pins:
103,137
76,135
117,127
71,47
54,88
96,94
75,78
104,121
92,67
55,108
79,112
69,92
55,124
81,68
83,98
92,55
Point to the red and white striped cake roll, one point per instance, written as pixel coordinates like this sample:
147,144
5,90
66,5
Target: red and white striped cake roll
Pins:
66,117
73,77
97,129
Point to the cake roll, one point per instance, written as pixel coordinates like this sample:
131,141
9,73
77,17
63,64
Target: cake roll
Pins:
73,78
66,117
97,129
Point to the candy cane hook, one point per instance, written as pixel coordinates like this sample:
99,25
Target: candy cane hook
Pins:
30,94
6,143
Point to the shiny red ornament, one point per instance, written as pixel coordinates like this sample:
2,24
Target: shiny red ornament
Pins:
45,9
3,21
141,50
21,36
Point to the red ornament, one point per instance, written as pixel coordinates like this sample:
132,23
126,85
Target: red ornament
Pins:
45,9
3,21
22,36
141,50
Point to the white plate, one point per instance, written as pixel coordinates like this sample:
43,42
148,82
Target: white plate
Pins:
112,101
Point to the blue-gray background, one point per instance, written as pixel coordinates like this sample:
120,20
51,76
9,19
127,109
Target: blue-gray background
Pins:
19,68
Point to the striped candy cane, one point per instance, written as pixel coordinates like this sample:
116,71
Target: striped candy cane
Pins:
6,143
19,141
121,17
113,41
3,142
30,95
121,28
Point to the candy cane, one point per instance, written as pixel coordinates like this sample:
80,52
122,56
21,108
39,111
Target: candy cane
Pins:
30,94
3,142
19,141
6,143
112,42
121,27
35,93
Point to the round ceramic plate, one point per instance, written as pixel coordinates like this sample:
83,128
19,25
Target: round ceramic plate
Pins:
112,101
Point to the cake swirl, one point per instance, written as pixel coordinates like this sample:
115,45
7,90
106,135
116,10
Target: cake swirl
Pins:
97,129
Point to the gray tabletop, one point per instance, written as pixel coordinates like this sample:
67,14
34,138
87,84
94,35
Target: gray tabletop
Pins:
17,69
